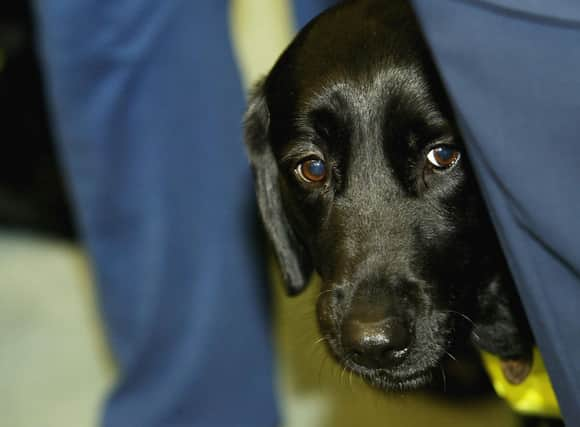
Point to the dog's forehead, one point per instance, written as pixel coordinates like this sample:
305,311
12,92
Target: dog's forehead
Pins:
356,50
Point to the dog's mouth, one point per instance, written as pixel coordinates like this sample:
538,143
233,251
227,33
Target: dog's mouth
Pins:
388,380
397,378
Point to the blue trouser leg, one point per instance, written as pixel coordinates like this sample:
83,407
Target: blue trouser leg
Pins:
513,72
147,108
305,10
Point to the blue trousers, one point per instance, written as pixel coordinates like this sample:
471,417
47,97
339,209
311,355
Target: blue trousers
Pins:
147,110
512,69
146,105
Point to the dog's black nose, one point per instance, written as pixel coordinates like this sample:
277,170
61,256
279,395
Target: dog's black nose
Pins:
377,344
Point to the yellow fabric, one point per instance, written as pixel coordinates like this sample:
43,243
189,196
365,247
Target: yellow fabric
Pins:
535,396
260,30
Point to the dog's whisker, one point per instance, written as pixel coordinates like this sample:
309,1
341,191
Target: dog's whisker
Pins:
350,378
319,340
464,316
344,369
451,356
322,362
468,319
443,377
316,349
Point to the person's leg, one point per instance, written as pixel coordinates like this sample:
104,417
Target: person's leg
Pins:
305,10
147,108
514,81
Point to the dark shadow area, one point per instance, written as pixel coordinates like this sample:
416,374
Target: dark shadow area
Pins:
32,193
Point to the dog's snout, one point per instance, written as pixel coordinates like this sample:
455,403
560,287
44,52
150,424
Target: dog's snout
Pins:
377,344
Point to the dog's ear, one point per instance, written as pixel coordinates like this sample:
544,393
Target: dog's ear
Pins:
294,262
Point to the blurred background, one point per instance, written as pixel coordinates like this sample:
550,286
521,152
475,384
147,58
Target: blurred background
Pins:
54,364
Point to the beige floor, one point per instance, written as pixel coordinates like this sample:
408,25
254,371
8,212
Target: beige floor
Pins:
54,368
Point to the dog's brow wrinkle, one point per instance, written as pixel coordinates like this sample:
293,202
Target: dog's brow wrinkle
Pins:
299,150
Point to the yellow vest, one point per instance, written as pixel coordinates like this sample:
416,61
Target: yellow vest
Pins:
534,396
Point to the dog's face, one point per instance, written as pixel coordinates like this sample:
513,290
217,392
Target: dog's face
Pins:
361,176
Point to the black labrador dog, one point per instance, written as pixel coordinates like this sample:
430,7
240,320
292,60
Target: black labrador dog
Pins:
361,176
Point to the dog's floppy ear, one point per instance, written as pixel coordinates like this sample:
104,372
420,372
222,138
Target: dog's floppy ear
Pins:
294,262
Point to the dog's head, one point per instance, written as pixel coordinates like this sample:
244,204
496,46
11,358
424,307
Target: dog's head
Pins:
361,176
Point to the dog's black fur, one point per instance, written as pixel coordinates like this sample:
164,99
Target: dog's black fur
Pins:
406,252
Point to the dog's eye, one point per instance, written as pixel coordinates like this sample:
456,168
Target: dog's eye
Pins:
443,156
311,171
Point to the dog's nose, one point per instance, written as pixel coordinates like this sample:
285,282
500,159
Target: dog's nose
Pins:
377,344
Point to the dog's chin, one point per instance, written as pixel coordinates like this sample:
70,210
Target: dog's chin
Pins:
388,381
